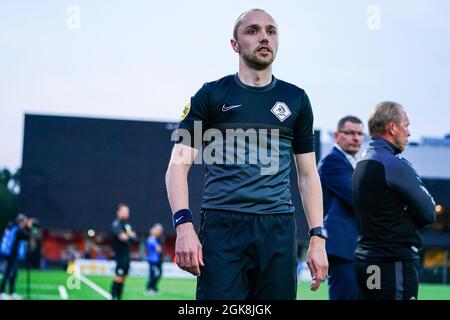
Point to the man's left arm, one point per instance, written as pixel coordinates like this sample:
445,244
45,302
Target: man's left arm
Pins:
402,177
133,236
311,194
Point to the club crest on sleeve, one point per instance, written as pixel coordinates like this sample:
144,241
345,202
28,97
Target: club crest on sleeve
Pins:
186,110
281,111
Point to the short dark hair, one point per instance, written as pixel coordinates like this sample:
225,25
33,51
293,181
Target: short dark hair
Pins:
121,205
345,119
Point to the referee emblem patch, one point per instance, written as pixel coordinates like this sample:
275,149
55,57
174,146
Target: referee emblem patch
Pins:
186,110
281,111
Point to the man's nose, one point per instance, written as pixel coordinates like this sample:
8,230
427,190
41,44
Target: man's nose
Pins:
264,38
356,138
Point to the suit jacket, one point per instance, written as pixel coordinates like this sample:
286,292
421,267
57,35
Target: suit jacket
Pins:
336,177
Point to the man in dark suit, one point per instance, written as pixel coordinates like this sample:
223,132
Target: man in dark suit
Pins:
335,172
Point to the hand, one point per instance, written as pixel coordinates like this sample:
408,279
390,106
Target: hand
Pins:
132,234
188,250
317,261
123,236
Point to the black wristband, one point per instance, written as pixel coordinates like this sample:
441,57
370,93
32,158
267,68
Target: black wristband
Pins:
320,232
182,216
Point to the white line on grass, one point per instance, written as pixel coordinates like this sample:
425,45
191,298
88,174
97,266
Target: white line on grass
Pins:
63,293
94,286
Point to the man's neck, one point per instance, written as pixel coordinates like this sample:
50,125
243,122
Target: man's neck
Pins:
391,140
255,78
344,151
387,138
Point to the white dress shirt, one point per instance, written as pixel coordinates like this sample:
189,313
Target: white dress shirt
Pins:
350,158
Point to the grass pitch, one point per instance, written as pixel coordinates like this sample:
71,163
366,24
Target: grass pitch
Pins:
57,285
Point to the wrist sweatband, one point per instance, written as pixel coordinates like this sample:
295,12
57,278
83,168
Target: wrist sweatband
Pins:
182,216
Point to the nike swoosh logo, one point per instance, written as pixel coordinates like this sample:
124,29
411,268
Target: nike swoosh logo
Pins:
225,108
176,220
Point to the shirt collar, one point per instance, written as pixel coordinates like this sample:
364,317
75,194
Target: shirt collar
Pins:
381,142
267,87
349,157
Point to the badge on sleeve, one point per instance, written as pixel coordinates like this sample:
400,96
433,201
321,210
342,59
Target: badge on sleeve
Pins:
186,110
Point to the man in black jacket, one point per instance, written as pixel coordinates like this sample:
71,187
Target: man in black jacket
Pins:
391,205
123,236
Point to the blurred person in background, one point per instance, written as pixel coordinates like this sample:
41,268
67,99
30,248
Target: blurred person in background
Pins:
154,257
391,205
336,171
123,236
13,250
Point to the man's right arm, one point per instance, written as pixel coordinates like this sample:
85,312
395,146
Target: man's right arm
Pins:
24,234
188,250
117,231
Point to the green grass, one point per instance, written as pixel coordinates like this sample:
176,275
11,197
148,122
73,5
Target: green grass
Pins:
44,286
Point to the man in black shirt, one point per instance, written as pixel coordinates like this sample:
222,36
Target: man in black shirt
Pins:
123,236
246,247
391,206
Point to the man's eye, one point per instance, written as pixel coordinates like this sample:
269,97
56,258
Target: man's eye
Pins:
251,31
271,32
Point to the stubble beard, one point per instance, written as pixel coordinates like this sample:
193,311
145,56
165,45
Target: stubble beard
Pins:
257,63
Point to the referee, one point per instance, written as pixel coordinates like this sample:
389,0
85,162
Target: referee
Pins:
391,206
246,247
123,236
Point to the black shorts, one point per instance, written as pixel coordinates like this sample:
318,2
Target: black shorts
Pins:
247,256
122,266
399,280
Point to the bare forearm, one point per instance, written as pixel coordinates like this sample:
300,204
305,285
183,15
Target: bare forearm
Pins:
311,192
188,250
177,187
